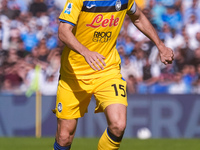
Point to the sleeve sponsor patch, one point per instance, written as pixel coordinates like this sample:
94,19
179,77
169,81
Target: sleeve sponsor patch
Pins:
68,9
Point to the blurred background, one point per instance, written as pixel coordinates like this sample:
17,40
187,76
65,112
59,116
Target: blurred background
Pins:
164,99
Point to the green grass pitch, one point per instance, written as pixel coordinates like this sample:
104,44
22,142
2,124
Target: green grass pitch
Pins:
30,143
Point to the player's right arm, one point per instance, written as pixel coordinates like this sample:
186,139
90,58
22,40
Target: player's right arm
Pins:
94,59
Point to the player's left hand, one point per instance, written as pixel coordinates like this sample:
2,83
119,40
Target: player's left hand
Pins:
166,54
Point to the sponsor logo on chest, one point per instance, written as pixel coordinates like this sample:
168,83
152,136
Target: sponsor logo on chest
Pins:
102,37
99,21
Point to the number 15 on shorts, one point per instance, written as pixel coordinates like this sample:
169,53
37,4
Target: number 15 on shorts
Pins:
119,90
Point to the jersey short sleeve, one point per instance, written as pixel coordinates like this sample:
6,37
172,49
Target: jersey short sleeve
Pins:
71,11
131,7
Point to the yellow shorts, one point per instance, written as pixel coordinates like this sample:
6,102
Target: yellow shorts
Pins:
73,96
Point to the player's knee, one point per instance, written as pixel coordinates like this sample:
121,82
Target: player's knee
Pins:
118,128
64,139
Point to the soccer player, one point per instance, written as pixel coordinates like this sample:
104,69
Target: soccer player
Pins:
90,65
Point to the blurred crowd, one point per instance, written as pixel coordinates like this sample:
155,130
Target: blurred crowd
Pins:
28,40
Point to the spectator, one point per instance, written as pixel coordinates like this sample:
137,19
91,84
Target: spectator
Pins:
138,62
192,10
122,53
49,86
37,8
198,70
157,11
2,54
11,79
129,29
164,81
40,34
42,50
12,57
178,4
151,74
175,40
54,63
1,32
196,41
167,2
165,31
128,68
5,31
188,54
129,45
52,40
1,77
189,76
14,38
30,39
146,45
18,5
173,18
121,40
52,74
5,10
196,86
191,28
131,85
196,59
179,60
178,86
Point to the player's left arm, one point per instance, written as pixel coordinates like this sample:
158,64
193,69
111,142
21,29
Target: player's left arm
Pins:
144,25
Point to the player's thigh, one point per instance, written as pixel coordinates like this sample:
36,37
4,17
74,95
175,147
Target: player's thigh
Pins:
110,90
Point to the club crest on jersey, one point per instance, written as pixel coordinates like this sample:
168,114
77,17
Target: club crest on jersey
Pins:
118,5
68,9
59,107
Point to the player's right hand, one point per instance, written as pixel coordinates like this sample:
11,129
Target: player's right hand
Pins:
95,60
